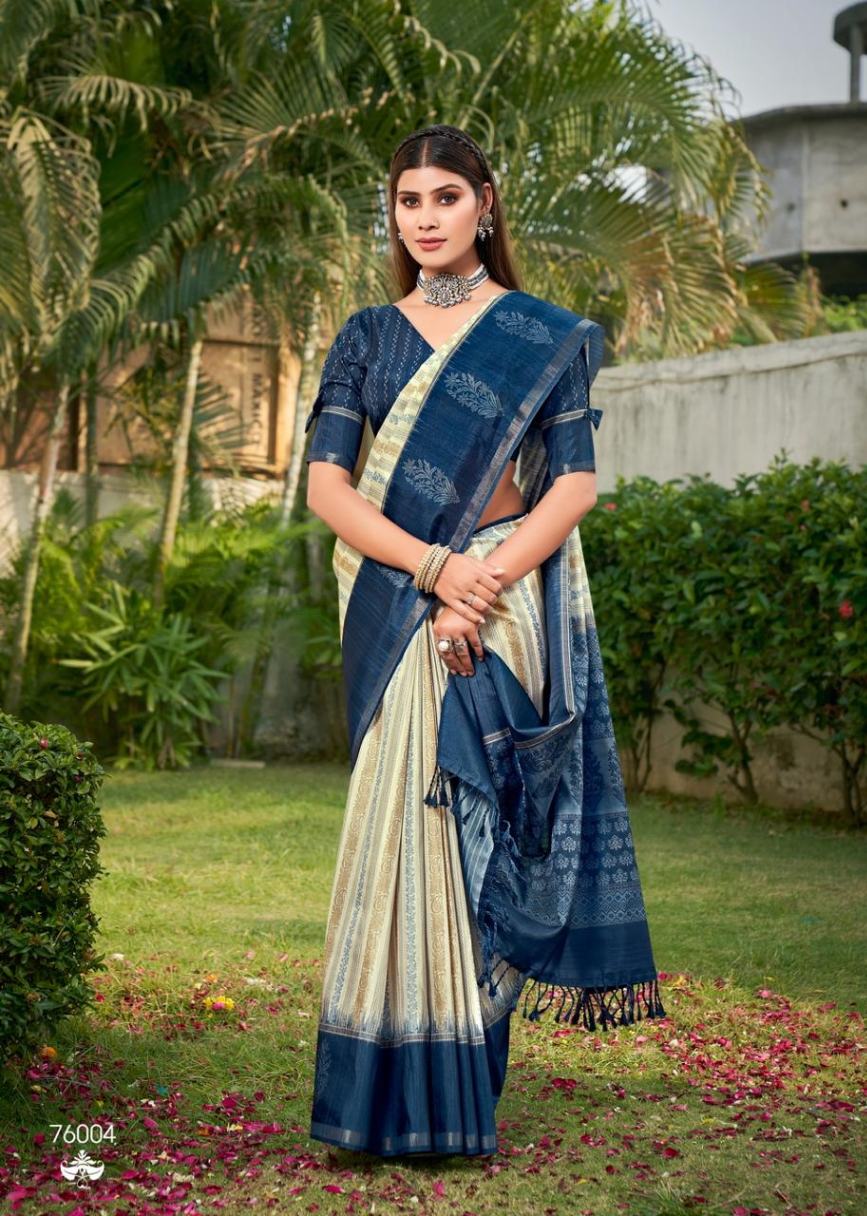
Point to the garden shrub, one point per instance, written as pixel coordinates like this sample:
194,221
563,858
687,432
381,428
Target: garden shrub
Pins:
50,828
750,599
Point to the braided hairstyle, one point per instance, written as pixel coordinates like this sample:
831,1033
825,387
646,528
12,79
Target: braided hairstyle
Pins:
450,148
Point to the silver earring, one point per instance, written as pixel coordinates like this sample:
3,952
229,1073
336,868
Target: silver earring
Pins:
400,238
486,226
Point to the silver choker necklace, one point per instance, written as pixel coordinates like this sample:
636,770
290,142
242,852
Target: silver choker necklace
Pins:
446,289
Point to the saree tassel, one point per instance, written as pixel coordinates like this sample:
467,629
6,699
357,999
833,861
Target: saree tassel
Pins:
438,790
534,1012
487,933
594,1008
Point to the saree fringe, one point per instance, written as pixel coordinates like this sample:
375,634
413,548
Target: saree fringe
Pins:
620,1006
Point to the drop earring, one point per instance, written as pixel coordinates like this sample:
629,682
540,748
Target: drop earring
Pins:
486,226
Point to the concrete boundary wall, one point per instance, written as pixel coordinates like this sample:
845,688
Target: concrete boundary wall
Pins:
723,414
730,412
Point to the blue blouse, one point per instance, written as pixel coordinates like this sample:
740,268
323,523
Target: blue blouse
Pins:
375,354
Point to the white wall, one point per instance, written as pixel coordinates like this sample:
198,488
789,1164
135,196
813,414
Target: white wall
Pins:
729,412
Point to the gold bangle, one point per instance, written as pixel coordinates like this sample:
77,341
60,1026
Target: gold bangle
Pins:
432,562
435,571
427,558
430,575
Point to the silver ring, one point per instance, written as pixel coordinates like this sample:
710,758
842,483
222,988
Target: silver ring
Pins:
460,646
444,645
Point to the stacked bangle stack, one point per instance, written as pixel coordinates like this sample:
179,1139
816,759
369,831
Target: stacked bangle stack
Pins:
429,567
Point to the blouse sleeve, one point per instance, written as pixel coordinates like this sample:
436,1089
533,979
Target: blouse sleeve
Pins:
338,405
566,421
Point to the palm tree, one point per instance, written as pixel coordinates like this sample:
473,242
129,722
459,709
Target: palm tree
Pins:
631,190
62,304
243,147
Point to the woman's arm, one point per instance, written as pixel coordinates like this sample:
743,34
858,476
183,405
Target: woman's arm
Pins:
554,516
556,513
467,584
333,498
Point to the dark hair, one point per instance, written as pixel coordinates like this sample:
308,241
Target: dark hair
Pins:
453,149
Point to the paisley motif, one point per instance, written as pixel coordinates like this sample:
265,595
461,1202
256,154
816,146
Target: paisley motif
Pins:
430,481
473,393
399,578
522,326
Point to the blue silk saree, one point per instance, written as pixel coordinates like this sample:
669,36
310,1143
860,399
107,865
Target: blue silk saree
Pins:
486,850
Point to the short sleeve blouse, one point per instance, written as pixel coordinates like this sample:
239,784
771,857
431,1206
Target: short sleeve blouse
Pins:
338,405
566,421
375,353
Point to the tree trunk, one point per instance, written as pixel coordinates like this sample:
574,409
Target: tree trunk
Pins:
42,506
91,457
251,711
309,352
180,450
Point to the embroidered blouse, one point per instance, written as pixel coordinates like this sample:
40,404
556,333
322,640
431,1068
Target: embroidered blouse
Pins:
378,350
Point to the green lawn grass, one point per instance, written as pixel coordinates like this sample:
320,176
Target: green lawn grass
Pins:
747,1099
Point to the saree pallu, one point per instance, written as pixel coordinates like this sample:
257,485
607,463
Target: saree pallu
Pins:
486,840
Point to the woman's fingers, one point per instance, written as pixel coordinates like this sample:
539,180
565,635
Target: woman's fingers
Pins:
458,659
461,653
483,593
457,662
490,583
462,607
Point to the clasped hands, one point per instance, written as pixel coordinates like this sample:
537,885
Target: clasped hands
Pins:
467,587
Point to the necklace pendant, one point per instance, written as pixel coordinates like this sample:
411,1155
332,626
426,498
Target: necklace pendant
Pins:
445,289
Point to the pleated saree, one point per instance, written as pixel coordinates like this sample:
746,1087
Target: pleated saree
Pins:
486,850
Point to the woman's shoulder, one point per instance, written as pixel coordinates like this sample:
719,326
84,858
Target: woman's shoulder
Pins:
355,331
356,320
363,315
360,323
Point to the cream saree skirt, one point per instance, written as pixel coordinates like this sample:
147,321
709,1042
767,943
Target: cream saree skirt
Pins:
411,1051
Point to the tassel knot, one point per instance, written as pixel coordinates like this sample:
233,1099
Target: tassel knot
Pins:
438,790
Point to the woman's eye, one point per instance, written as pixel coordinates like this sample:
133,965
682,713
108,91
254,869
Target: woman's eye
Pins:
409,201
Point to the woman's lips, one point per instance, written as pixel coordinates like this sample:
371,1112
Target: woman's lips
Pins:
431,244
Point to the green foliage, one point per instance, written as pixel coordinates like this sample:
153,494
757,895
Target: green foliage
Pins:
167,158
50,827
751,599
144,681
843,314
142,669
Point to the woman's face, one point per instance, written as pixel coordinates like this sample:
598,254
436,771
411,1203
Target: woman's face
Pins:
435,202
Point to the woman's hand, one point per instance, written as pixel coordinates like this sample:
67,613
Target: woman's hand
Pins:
468,585
449,624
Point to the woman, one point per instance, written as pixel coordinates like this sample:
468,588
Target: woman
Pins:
486,840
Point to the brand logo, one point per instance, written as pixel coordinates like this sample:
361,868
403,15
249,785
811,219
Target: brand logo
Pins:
81,1167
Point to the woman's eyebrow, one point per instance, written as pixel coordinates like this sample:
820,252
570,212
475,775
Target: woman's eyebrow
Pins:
436,189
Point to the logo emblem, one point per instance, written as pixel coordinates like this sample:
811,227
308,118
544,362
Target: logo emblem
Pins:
81,1167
